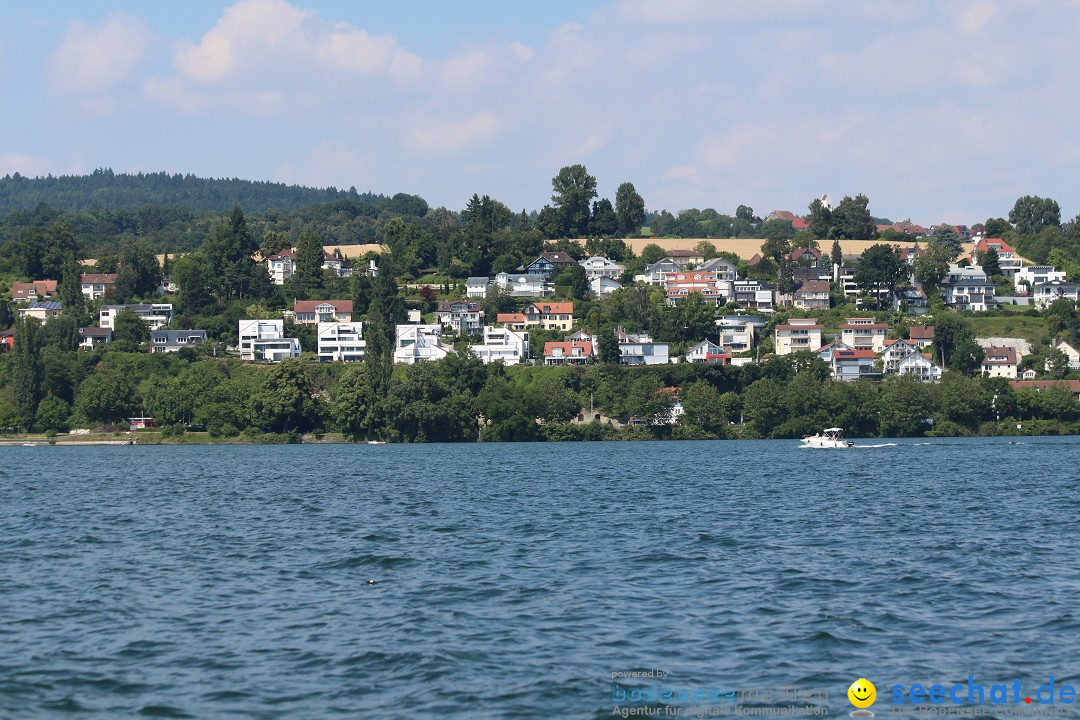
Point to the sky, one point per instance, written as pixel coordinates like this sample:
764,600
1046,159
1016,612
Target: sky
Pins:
937,110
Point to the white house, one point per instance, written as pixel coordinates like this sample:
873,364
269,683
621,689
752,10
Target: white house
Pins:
707,351
754,294
1009,262
341,342
1000,362
463,316
417,343
312,312
476,287
736,333
502,344
654,274
920,366
895,352
91,336
1070,352
524,285
601,267
282,265
95,285
568,353
1047,293
156,315
1033,275
641,350
864,334
162,341
969,294
798,334
265,340
603,286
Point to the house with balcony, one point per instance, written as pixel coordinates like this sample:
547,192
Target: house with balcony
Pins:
797,334
812,295
968,294
921,366
419,343
264,340
41,311
1009,262
549,263
654,274
895,352
476,287
568,353
92,336
95,285
678,285
155,315
1073,354
464,317
602,286
524,285
1001,362
910,299
511,321
550,315
724,269
850,364
341,342
864,334
601,267
640,349
709,352
1032,275
684,258
163,341
33,291
754,294
509,346
1047,293
282,265
922,336
736,333
312,312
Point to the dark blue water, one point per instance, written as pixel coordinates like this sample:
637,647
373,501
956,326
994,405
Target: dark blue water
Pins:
513,580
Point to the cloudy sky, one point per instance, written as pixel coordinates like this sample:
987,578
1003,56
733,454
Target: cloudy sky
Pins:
937,110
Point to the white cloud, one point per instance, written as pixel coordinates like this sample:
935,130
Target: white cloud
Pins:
329,163
94,57
975,18
263,37
28,165
445,135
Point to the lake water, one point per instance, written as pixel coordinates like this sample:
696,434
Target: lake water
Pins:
512,580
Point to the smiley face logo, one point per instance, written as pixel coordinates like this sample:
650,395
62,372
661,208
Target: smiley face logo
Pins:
862,693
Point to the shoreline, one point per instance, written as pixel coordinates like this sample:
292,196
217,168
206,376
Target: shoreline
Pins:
154,439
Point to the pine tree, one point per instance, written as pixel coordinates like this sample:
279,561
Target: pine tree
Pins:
309,261
71,296
26,370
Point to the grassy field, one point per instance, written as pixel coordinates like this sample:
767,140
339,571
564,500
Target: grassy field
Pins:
1032,329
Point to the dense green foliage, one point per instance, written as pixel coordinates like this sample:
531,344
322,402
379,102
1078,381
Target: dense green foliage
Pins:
118,191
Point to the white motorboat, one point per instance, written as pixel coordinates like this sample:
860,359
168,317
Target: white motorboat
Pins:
828,438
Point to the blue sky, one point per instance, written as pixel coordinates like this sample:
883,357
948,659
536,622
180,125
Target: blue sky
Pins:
942,111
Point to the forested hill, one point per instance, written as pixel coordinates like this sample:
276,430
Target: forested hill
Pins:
120,191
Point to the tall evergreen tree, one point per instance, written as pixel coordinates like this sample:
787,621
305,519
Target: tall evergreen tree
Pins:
629,209
26,370
71,296
309,260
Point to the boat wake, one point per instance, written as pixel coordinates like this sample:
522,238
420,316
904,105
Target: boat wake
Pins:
878,445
